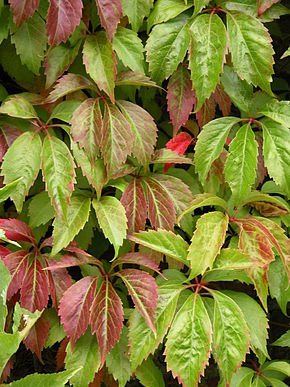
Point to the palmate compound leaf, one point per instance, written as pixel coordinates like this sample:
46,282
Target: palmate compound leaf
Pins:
180,98
210,144
134,202
62,18
100,62
207,54
58,172
143,290
251,49
112,219
110,12
167,46
22,159
77,217
142,341
276,152
189,341
241,163
74,307
106,318
136,10
207,241
231,335
117,138
23,10
143,128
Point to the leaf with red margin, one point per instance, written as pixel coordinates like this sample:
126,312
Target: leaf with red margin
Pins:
37,336
138,259
264,5
207,111
23,10
70,261
223,100
161,209
74,307
134,202
179,144
143,290
16,263
62,18
8,135
17,231
110,12
86,126
180,98
106,318
34,291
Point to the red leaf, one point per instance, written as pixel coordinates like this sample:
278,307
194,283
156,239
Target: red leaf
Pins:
34,290
223,100
143,290
180,98
70,261
179,144
138,259
110,12
74,307
4,251
37,336
61,354
16,263
48,242
16,230
73,248
7,370
106,318
23,10
207,111
134,202
62,18
8,135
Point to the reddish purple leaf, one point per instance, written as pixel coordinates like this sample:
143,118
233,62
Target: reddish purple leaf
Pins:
179,144
48,242
16,263
37,336
34,290
4,251
59,281
70,261
161,209
74,307
143,290
8,135
134,202
7,370
110,12
180,98
138,259
207,111
74,248
15,230
62,18
223,100
23,10
106,318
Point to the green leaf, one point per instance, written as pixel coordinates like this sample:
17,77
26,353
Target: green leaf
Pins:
249,7
56,331
278,111
99,60
166,47
64,110
165,242
165,10
199,5
22,160
286,53
77,216
240,167
267,205
129,49
188,341
4,283
134,78
279,284
210,144
280,366
58,173
256,320
163,156
46,380
142,339
207,241
86,355
30,41
136,10
207,55
239,91
276,153
242,378
6,191
231,335
40,210
17,106
117,360
149,374
112,220
283,341
251,49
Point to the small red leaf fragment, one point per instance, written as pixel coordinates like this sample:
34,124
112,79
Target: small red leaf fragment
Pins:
18,231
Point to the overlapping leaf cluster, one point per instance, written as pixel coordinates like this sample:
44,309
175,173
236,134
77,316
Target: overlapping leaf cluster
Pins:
118,245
